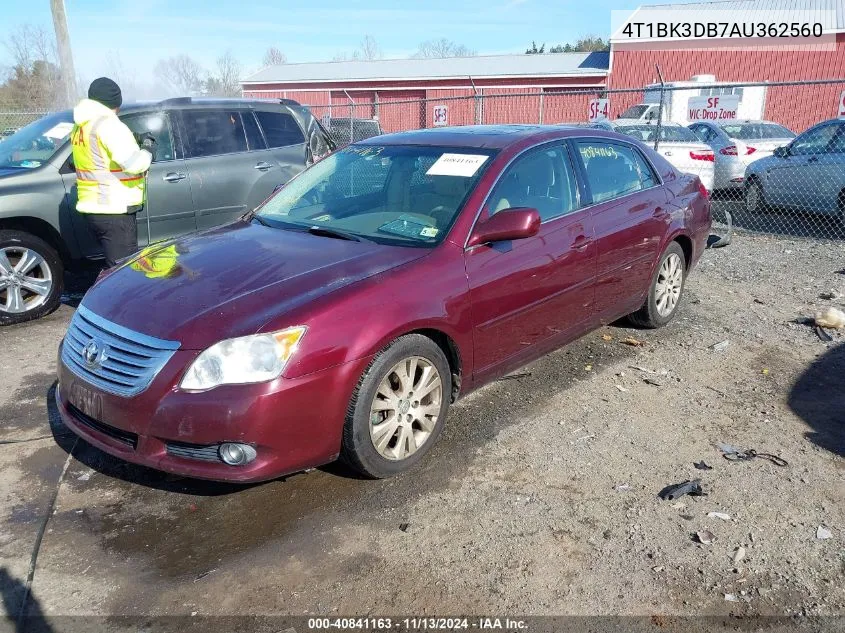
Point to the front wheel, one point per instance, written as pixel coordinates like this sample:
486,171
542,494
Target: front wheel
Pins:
665,291
398,409
31,277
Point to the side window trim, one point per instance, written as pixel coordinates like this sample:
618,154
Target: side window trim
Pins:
658,181
249,148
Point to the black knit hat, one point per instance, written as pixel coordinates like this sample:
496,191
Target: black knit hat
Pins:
106,92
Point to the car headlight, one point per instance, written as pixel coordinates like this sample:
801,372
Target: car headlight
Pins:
244,360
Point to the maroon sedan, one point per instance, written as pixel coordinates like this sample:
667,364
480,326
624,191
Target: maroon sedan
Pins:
346,314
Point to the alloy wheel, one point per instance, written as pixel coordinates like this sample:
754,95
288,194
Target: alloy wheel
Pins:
25,280
670,280
405,409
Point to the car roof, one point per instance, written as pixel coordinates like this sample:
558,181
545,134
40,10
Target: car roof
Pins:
480,136
189,102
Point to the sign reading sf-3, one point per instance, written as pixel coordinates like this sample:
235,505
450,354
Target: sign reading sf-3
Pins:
722,108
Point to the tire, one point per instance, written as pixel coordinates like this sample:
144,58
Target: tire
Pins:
363,428
43,271
754,200
652,315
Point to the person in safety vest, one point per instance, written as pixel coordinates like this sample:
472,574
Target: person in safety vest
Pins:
110,170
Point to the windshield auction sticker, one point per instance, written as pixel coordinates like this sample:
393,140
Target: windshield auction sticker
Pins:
456,165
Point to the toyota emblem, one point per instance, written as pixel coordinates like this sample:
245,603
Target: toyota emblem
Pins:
94,353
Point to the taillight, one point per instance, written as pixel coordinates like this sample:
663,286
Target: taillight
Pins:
703,190
731,150
702,154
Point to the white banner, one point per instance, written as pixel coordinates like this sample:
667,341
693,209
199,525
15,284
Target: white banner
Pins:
720,108
842,105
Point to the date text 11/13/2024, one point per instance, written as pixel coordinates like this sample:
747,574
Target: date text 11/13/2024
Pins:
416,624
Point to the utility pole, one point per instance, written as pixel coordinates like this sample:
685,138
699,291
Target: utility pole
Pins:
65,56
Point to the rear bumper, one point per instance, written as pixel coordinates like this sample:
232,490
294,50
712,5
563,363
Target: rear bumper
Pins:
293,424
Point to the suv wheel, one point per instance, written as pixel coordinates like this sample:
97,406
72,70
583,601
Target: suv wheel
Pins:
31,277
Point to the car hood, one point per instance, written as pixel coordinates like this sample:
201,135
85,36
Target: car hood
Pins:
232,280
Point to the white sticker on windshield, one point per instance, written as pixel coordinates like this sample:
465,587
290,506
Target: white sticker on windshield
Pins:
60,130
456,165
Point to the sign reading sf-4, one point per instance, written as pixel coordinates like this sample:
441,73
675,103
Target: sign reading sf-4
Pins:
599,109
841,114
440,116
721,108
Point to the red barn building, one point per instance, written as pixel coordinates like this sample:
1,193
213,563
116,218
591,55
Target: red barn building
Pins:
633,59
402,93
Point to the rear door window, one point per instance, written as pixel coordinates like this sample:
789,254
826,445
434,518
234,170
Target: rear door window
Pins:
612,170
280,129
213,132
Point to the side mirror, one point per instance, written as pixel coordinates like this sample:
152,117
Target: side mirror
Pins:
509,224
781,152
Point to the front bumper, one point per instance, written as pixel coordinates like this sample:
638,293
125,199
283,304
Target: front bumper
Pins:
293,424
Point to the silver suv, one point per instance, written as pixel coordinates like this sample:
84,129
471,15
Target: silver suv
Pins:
215,160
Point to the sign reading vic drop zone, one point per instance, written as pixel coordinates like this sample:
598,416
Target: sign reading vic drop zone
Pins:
721,108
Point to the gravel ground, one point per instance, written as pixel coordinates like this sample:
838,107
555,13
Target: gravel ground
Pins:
541,497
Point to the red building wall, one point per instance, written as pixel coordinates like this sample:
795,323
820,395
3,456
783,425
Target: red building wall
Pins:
798,107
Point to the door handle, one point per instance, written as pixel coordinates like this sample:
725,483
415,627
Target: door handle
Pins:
174,176
813,159
262,166
581,242
660,212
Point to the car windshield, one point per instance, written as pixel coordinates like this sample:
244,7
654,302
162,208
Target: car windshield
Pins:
757,131
668,133
35,144
406,195
634,112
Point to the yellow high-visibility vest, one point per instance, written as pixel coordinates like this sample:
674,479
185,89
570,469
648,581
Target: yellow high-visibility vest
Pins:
109,164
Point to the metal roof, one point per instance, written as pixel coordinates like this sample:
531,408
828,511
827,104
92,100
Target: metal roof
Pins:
830,13
477,67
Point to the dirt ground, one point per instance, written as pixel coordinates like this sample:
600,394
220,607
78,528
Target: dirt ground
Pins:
540,498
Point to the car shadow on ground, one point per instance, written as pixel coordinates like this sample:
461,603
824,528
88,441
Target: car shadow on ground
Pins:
105,464
818,398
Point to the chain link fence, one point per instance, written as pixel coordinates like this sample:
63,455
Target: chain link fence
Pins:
761,178
13,120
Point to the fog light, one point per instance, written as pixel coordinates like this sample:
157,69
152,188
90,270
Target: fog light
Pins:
236,454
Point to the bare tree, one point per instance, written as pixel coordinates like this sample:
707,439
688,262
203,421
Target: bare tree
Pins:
228,76
274,57
34,79
180,74
368,50
442,48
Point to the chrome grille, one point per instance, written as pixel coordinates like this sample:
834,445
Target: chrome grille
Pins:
111,357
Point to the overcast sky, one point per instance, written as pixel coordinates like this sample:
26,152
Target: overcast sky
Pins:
140,32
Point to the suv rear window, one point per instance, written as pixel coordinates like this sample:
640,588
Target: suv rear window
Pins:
213,132
280,129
